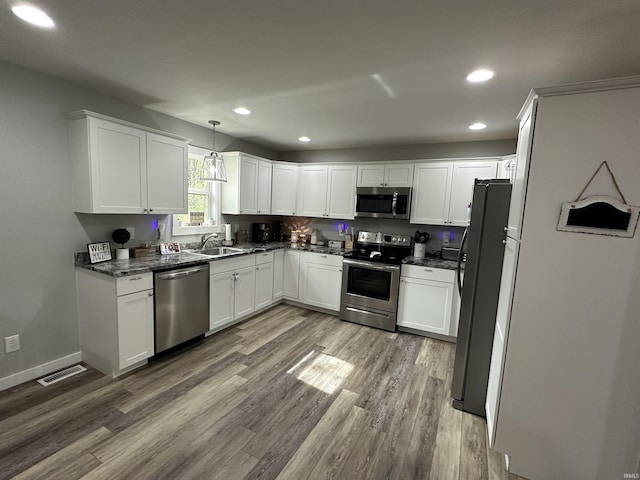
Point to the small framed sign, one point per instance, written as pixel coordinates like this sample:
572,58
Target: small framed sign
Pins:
99,252
169,248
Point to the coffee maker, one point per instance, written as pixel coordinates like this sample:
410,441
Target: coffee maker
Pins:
276,231
260,233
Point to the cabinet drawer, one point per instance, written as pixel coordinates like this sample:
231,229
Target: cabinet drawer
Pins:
264,257
322,258
230,264
134,283
429,273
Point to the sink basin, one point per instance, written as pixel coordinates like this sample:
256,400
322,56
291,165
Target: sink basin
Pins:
220,251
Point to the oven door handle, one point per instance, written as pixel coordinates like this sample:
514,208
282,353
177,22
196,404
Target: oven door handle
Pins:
371,265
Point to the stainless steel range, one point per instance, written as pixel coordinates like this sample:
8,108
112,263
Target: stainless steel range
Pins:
371,279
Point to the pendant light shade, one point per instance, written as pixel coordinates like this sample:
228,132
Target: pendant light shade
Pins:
213,164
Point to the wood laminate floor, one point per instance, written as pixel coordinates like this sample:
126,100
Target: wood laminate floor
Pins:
289,394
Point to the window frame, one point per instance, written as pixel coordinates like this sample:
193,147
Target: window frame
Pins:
214,191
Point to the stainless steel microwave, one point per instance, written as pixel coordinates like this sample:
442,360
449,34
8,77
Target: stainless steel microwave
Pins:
383,202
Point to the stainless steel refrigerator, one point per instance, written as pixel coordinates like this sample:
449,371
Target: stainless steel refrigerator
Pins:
483,242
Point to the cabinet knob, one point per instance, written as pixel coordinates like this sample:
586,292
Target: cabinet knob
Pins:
504,242
506,229
151,294
144,209
151,210
323,256
258,211
257,268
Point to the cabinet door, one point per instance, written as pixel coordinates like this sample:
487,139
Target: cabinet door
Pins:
221,302
431,193
264,285
312,194
245,290
425,305
167,183
248,186
290,285
342,192
370,175
135,328
118,167
523,154
284,191
464,176
320,285
398,175
264,187
278,274
503,315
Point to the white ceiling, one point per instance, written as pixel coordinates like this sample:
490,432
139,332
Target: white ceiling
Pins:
305,67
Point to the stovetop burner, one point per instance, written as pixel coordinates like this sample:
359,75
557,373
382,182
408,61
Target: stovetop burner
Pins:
379,247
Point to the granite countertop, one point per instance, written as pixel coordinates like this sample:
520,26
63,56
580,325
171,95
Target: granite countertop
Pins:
431,261
131,266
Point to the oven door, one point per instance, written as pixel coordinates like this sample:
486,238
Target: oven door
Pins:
371,285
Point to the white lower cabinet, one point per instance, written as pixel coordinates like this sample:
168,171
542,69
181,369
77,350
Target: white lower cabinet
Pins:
278,274
232,290
321,280
291,280
426,301
264,280
116,320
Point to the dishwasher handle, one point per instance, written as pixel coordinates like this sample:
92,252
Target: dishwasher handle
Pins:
180,274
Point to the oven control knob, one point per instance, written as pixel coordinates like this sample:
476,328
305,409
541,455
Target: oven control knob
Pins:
404,240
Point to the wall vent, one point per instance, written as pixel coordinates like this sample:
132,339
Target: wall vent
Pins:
61,375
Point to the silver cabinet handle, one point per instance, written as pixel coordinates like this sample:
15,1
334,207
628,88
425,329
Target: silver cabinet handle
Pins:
323,256
182,273
135,278
428,270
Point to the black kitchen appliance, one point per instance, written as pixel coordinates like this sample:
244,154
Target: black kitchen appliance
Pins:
484,240
276,231
260,233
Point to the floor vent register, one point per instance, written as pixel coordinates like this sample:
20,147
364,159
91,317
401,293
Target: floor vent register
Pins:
61,375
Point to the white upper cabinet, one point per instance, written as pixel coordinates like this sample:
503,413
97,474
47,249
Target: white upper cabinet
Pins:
284,188
385,175
248,187
327,191
431,193
464,176
119,167
442,191
521,175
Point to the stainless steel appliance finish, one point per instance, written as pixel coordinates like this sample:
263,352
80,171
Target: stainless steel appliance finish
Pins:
383,202
371,279
181,305
479,294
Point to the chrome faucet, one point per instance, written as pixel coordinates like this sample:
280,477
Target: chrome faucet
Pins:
205,238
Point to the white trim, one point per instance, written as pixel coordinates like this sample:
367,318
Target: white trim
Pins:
39,370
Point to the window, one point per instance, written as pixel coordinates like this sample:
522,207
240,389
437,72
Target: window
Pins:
203,198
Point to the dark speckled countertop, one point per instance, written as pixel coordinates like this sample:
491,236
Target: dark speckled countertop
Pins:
121,268
431,261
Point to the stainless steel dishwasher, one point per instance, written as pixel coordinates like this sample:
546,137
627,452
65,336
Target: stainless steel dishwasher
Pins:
181,305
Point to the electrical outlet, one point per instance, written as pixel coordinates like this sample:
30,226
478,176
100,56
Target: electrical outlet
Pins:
131,231
446,236
12,343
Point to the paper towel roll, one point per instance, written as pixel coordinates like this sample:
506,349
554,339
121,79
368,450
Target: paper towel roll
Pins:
227,232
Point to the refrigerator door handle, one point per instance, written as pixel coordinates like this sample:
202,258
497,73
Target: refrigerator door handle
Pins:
459,266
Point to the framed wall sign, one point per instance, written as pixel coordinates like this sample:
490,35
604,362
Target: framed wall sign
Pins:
99,252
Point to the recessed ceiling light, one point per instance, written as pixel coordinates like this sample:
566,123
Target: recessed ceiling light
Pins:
477,126
242,111
480,76
33,15
304,139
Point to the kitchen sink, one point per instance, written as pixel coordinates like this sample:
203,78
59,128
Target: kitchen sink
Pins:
220,251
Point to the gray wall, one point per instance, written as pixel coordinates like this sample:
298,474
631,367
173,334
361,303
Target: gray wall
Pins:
405,152
39,231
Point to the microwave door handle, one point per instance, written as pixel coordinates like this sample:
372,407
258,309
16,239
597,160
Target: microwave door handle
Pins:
394,202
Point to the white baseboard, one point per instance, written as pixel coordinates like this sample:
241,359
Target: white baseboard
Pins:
39,370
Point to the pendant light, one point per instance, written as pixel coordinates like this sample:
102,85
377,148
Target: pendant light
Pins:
213,164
